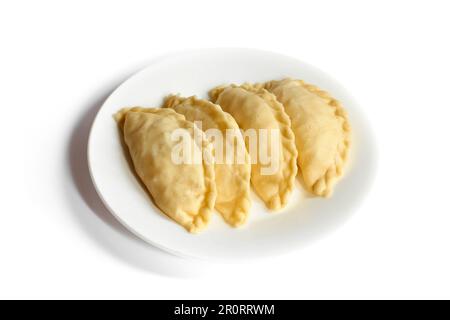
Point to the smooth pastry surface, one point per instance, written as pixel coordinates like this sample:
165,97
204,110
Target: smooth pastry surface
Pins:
185,192
258,109
322,132
233,174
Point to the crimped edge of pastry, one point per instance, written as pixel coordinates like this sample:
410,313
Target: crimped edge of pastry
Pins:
203,216
226,121
288,139
324,185
288,142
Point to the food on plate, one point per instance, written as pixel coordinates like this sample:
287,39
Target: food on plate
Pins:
232,173
257,112
195,155
322,132
186,192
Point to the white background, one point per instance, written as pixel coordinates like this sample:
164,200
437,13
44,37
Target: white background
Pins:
58,62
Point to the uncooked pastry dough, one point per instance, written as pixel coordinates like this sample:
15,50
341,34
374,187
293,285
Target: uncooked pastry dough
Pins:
322,132
258,109
232,177
185,192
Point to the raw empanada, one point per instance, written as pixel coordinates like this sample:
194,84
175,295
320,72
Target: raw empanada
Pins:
186,192
322,132
232,176
257,110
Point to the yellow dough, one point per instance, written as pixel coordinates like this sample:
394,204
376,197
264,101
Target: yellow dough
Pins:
185,192
321,129
258,109
121,114
232,177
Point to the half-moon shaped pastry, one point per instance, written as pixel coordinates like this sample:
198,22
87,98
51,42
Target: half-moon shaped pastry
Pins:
232,174
257,111
186,192
322,132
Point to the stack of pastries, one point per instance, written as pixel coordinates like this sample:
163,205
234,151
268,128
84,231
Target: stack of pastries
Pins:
313,141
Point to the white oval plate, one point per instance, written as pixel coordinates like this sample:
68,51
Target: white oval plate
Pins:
266,233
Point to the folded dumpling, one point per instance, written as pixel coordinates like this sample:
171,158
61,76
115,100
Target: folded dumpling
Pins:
322,132
232,162
186,192
274,156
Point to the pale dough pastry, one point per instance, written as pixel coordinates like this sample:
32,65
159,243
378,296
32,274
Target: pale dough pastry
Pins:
233,176
120,115
185,192
322,132
258,109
